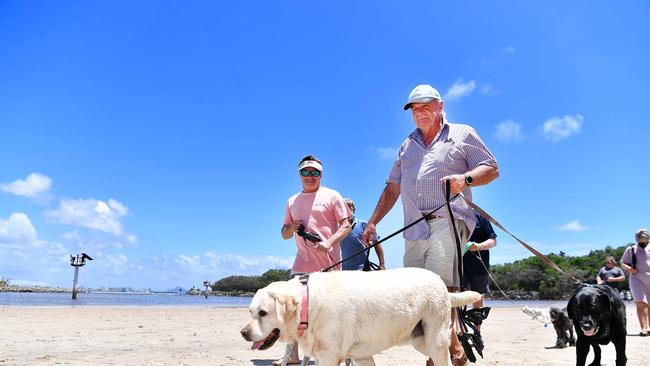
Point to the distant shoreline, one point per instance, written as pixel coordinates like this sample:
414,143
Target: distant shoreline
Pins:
35,289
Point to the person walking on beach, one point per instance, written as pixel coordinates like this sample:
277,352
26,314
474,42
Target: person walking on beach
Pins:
318,219
436,151
610,274
353,243
636,261
476,261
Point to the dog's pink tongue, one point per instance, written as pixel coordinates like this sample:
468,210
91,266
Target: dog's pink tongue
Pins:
589,333
256,345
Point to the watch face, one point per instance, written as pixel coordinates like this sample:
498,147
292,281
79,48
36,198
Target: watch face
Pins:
468,180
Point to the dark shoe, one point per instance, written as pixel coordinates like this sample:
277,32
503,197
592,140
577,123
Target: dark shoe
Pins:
643,334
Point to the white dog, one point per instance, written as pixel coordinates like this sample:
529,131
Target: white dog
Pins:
355,314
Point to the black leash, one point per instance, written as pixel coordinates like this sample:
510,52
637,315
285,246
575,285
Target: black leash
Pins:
466,318
367,249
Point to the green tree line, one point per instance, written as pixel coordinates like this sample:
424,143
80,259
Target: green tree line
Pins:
532,275
250,283
525,275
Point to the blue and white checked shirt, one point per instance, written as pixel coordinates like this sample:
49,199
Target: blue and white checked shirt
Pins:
456,149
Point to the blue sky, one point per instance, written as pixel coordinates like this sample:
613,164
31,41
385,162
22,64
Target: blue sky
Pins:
162,137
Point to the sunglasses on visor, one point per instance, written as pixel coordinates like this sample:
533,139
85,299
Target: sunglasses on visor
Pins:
313,173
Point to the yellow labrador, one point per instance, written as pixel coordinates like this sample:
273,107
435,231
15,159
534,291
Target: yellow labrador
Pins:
355,314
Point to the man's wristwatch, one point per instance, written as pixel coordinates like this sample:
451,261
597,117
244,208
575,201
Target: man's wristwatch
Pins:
469,180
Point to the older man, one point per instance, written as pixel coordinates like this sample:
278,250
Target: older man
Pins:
435,152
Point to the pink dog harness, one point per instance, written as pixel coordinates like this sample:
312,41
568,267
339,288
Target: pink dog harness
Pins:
304,290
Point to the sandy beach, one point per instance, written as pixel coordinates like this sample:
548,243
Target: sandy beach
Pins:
210,336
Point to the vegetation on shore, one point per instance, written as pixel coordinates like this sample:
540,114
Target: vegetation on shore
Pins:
528,278
250,284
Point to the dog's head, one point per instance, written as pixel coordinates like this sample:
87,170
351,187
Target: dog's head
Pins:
274,315
590,307
557,314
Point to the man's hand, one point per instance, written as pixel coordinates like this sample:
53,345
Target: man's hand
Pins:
457,183
290,229
369,234
474,247
324,246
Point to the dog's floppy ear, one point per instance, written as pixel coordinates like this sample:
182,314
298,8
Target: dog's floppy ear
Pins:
285,306
570,306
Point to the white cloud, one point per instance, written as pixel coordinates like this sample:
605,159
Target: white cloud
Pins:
508,50
460,89
25,258
561,128
17,229
487,89
386,153
90,213
35,186
509,131
573,225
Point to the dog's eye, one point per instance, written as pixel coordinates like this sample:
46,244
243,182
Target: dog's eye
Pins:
262,313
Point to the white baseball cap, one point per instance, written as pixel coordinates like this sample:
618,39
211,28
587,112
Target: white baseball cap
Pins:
422,94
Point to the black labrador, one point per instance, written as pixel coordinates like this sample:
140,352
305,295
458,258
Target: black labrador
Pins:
563,327
598,315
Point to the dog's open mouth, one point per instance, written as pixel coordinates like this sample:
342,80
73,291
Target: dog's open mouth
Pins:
268,341
590,332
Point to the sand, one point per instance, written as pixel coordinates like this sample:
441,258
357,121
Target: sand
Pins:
210,336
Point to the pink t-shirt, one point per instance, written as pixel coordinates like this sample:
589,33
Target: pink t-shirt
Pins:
320,213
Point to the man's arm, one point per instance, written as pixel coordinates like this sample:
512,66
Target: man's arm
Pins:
599,280
386,202
620,278
344,229
481,175
486,245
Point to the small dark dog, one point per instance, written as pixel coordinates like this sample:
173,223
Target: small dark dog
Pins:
563,327
598,315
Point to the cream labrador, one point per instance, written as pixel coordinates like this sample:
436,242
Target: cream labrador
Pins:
355,314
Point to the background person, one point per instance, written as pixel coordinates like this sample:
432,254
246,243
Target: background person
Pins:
353,243
318,210
434,152
636,261
476,261
610,274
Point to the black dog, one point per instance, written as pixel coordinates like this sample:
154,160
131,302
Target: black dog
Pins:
563,327
599,317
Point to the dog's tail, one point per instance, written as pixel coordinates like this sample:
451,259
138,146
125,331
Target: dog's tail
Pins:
463,298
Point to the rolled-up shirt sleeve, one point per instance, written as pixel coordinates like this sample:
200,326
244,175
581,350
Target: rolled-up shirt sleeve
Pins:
395,175
476,151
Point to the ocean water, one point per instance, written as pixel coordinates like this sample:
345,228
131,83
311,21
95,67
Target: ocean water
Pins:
172,299
118,299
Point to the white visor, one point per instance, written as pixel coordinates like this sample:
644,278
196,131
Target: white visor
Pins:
310,164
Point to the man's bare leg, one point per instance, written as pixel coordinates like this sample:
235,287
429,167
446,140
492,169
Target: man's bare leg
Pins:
293,358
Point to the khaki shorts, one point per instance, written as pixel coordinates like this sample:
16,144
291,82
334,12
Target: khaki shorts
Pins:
438,253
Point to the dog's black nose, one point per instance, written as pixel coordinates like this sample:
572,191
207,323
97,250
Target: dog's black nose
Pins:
244,333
